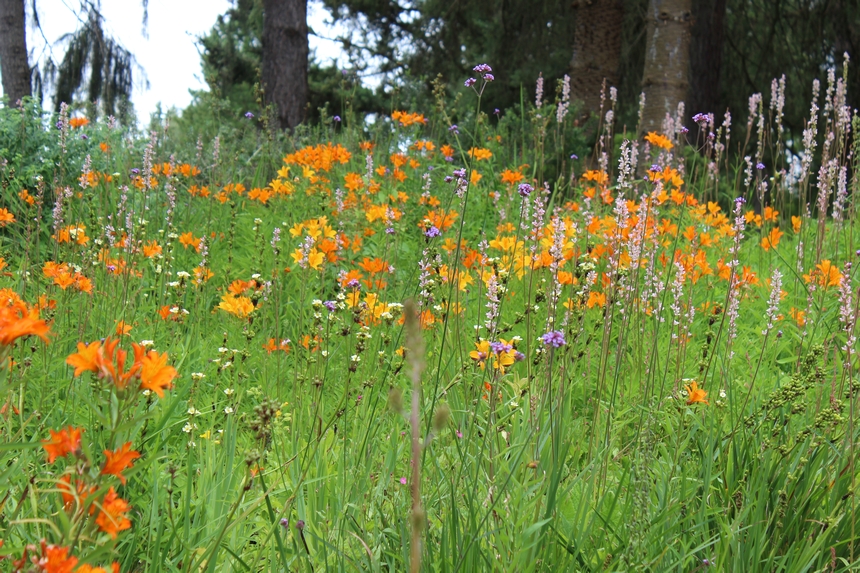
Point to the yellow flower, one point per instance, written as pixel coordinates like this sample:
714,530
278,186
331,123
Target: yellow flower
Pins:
240,306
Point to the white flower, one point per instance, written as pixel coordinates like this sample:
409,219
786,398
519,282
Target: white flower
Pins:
324,352
355,358
183,274
228,410
229,391
192,411
147,342
197,376
223,349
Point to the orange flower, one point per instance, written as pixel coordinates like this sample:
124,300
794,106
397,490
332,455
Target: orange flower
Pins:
78,496
55,559
239,306
272,346
480,153
406,119
77,122
155,374
86,358
373,266
795,223
19,320
111,363
439,219
511,177
6,217
87,568
62,443
447,151
122,328
696,394
772,239
655,138
353,181
151,249
189,240
112,518
119,460
595,299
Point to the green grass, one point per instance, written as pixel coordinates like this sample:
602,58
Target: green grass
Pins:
585,457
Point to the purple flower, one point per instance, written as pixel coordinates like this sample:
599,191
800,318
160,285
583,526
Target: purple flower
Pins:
489,77
403,481
499,347
432,232
525,189
449,159
482,69
353,283
454,129
684,129
135,171
496,111
574,156
285,523
300,524
759,165
448,179
700,118
389,230
460,173
655,168
554,338
60,124
470,82
331,305
519,356
84,136
336,119
249,115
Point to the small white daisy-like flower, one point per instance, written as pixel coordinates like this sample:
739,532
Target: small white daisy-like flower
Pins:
183,274
192,411
197,376
147,342
228,410
229,391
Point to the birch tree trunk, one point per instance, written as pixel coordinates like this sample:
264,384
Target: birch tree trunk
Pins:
667,60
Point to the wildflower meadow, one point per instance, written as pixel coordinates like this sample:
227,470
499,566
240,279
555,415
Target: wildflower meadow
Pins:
428,342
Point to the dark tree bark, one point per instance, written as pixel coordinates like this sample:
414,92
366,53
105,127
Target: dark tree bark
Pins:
667,60
596,50
706,57
13,51
285,59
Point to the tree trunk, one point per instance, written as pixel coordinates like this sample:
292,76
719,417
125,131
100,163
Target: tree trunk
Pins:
285,59
667,60
706,57
596,50
13,51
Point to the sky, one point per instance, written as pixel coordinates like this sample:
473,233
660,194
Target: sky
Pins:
169,55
